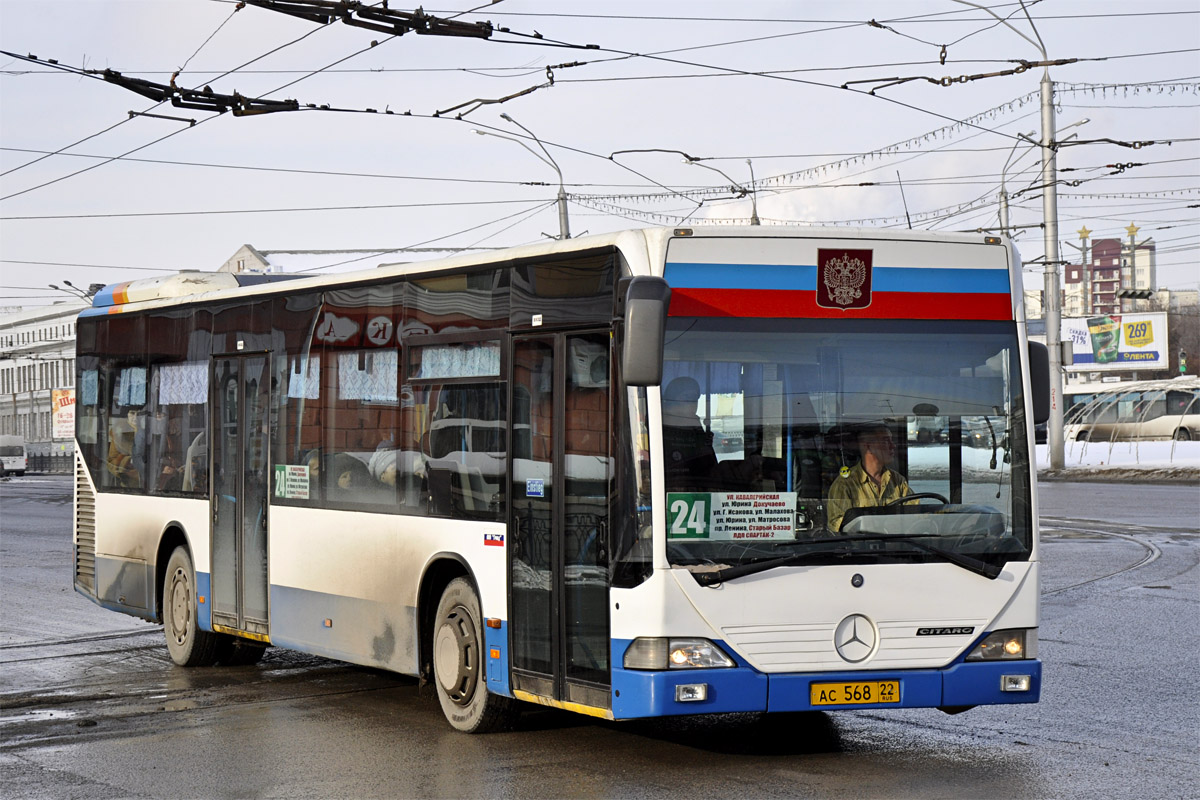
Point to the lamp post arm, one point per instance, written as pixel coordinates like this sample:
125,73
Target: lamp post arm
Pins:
549,159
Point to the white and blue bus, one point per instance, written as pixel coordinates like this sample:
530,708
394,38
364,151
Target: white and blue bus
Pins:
498,471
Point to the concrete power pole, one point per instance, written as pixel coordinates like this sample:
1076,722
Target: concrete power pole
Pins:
1052,303
1086,262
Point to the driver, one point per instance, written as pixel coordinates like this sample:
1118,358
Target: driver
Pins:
870,482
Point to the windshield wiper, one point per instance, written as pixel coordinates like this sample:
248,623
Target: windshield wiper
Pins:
987,570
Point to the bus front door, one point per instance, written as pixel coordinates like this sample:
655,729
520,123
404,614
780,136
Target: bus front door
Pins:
240,407
561,472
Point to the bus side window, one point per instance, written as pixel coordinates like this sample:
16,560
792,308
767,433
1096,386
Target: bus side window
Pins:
361,415
460,428
178,407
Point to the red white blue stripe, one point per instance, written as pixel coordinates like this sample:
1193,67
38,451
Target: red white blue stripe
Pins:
784,290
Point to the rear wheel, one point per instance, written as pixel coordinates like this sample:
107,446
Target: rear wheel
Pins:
1182,435
1082,436
189,646
458,665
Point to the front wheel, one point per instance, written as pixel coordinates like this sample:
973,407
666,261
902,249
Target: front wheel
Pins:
1182,435
458,665
188,645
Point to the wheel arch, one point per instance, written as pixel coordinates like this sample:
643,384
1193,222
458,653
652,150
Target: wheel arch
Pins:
173,536
441,569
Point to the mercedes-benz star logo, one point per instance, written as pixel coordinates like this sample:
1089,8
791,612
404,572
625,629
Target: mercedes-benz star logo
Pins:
855,638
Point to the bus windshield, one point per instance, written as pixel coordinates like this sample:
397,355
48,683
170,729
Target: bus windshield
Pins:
843,440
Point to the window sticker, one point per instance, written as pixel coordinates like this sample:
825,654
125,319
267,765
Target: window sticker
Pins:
731,515
291,481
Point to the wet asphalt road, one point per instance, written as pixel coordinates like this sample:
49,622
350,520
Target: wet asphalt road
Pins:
91,706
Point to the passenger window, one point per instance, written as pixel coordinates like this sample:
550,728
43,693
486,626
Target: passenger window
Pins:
127,426
177,454
465,450
360,428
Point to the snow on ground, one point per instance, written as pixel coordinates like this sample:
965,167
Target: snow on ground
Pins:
1150,455
1146,462
1155,462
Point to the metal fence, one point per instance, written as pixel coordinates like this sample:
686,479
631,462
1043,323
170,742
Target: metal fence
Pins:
53,463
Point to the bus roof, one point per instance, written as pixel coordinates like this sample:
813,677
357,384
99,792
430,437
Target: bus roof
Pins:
641,248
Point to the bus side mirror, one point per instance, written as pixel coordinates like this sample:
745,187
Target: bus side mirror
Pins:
1039,381
645,307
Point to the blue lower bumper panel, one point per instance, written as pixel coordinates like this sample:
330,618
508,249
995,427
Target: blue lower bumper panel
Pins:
639,693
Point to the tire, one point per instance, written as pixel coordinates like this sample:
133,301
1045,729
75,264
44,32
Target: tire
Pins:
1082,436
458,665
189,646
1182,435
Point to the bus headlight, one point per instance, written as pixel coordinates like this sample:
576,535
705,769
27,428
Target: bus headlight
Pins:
659,652
1018,643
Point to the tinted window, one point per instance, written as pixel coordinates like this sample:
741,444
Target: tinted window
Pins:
458,302
573,291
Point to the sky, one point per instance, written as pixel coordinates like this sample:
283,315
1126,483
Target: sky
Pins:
879,114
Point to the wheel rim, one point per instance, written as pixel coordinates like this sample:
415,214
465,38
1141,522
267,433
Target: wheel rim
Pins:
180,606
456,658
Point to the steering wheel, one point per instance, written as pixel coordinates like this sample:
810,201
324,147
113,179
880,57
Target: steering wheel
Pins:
917,496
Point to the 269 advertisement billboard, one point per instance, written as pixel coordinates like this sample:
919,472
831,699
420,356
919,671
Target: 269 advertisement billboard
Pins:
1111,342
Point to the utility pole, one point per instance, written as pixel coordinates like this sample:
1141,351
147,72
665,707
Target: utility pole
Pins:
1051,305
1086,262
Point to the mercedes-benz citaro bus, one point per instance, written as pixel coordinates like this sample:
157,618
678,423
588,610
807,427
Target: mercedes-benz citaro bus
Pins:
497,471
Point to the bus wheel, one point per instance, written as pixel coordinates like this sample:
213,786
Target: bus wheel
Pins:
1182,435
1082,437
189,646
458,665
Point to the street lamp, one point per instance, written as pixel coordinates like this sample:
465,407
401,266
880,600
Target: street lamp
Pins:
1028,137
1003,176
738,189
564,227
74,292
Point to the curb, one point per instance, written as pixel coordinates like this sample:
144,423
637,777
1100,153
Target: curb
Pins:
1169,475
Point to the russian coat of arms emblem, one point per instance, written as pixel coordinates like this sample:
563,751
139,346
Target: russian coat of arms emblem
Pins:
844,278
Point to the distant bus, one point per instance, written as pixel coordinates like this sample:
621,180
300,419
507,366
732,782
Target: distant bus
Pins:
1133,410
13,458
591,474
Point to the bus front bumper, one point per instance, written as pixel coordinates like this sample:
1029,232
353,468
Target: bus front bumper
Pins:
639,693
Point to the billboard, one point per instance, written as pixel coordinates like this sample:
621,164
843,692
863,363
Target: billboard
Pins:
63,420
1117,342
